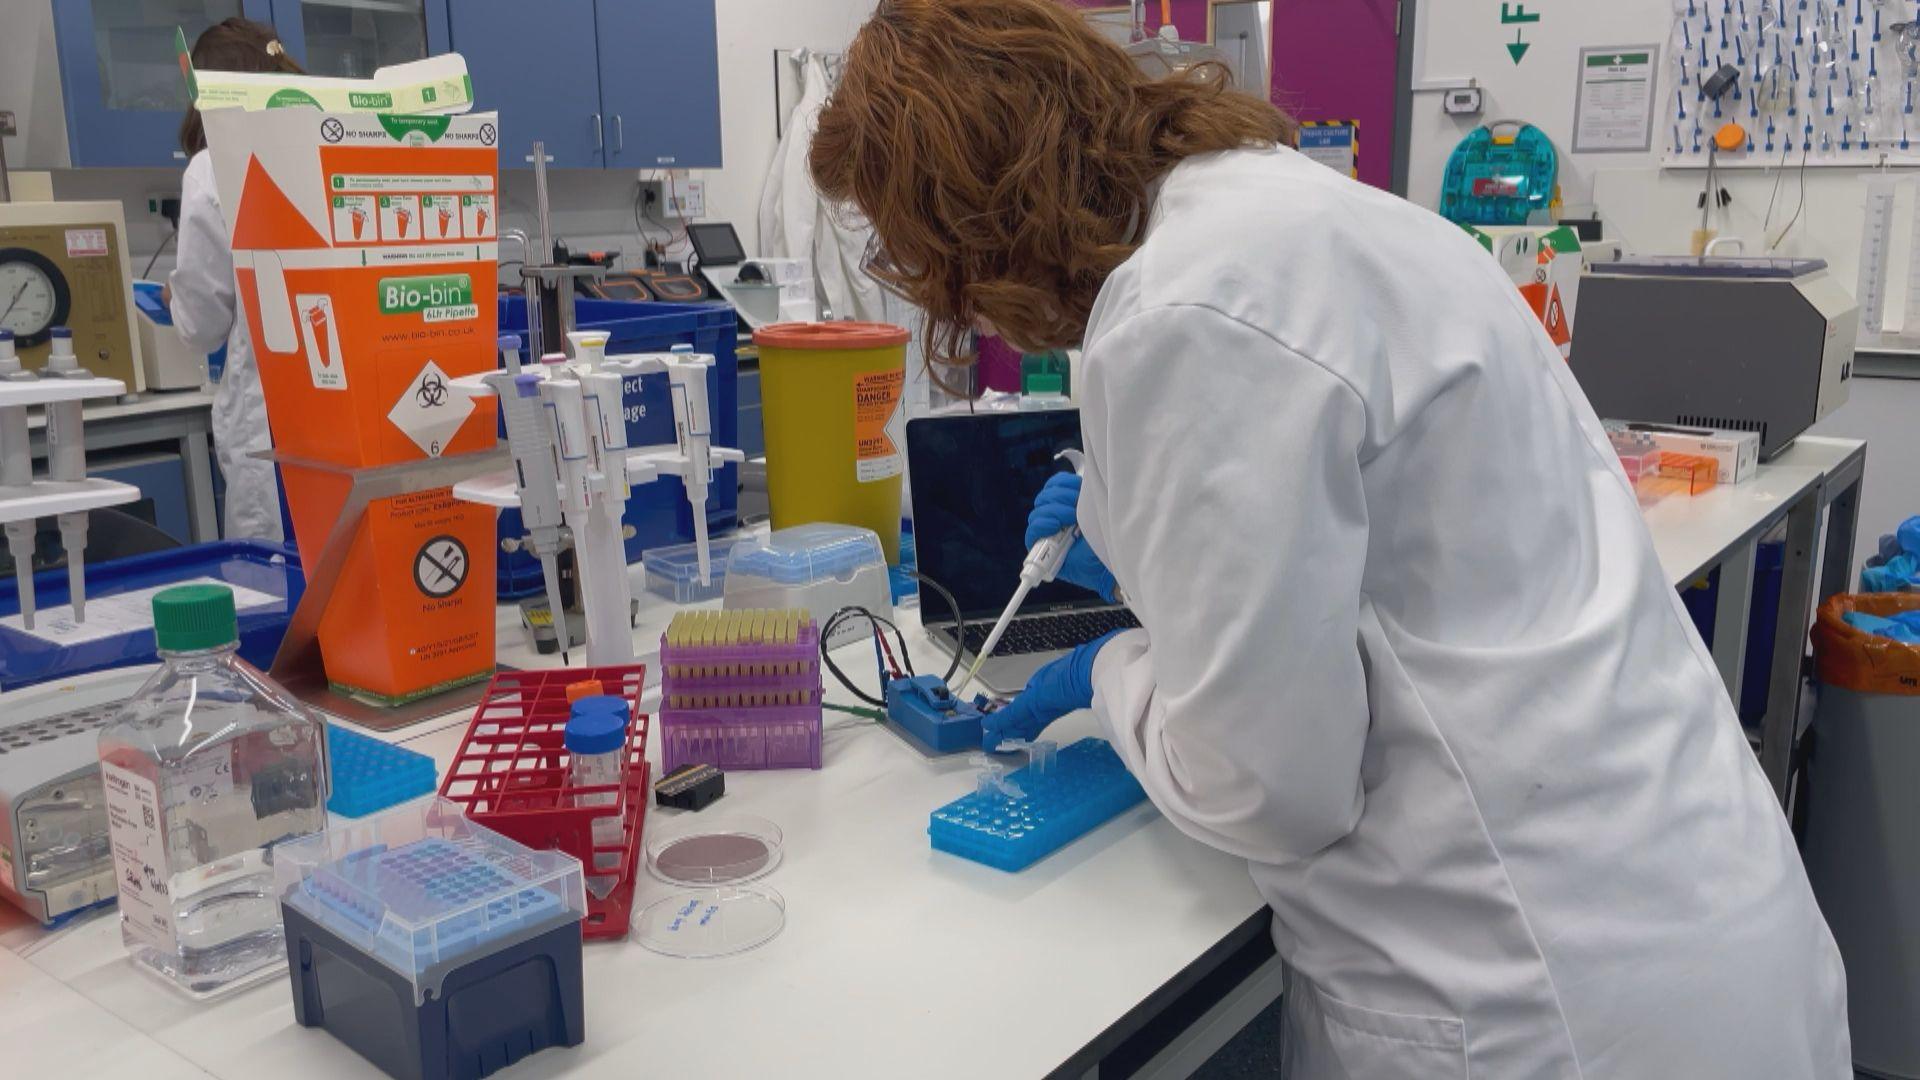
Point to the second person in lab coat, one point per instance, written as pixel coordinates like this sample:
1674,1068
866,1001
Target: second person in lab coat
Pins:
1407,647
201,295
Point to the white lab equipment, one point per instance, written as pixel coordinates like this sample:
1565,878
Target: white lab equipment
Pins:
530,442
16,471
1419,663
596,469
1043,564
67,462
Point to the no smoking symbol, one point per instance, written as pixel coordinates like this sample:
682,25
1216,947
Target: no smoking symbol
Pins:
441,567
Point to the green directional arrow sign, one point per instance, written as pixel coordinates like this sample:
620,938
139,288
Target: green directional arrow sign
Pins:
1517,48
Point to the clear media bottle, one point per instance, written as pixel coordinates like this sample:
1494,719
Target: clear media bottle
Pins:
208,766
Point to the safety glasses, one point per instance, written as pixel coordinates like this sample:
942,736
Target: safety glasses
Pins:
878,265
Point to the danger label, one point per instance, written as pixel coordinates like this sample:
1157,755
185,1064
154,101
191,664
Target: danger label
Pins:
879,425
430,410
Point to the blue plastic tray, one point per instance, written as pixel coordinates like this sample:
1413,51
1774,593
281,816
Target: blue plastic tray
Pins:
273,569
1086,786
370,775
658,512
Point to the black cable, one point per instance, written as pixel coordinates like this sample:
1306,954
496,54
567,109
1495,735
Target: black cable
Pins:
157,251
855,611
826,657
1779,174
1796,210
959,620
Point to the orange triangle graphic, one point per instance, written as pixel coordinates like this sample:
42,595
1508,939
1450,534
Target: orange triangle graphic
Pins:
267,220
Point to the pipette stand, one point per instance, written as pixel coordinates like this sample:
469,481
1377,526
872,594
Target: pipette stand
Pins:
594,495
297,666
52,498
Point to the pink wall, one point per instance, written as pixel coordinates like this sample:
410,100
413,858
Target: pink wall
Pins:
1339,60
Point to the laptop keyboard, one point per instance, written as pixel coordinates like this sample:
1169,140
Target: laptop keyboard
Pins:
1048,633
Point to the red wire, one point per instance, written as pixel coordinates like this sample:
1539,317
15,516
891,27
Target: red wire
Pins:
892,664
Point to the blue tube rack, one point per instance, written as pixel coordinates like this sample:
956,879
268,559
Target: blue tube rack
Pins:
1086,786
370,775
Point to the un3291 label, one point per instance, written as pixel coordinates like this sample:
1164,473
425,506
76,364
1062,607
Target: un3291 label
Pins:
436,298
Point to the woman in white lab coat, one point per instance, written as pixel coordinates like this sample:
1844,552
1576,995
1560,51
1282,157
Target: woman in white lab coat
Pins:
1407,648
200,294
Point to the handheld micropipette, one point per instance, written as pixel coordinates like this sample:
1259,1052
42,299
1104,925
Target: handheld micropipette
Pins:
16,470
1043,565
67,461
530,441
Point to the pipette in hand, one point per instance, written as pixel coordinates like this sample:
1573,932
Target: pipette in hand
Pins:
1043,564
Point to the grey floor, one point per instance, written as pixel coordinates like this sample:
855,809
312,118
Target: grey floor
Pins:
1255,1052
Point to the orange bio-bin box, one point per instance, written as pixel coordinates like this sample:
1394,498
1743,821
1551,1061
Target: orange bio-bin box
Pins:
359,331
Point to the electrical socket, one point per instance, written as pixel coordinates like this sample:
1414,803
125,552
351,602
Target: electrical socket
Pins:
686,199
159,203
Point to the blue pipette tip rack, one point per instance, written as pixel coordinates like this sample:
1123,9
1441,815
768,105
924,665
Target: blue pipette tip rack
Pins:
369,775
1084,787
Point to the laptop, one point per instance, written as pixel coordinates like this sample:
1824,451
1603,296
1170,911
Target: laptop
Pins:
974,478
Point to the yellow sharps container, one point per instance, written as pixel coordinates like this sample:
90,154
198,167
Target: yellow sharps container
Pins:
835,424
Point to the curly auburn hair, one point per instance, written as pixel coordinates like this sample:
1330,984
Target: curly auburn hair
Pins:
1003,151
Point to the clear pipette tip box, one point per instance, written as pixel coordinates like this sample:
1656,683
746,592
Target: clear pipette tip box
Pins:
422,888
1083,787
369,775
673,573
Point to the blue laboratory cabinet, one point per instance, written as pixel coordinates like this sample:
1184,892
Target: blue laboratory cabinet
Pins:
123,91
617,84
660,84
533,64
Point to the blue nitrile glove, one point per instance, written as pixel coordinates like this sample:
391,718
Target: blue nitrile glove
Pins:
1055,508
1054,691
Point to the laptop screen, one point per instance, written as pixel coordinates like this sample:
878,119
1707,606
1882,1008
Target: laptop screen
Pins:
974,479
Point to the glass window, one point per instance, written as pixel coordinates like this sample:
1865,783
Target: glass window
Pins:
350,38
133,45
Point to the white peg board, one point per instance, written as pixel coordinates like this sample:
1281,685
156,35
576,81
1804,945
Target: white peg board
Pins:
1822,82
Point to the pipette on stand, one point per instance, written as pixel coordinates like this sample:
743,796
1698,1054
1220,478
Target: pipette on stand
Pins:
530,441
67,461
16,470
1043,565
693,426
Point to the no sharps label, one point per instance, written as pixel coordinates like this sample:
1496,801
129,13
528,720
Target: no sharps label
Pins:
437,298
879,425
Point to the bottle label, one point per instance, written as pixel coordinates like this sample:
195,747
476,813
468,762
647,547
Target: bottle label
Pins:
135,826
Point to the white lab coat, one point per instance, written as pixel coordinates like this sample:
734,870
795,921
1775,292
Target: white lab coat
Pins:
1409,651
796,223
206,314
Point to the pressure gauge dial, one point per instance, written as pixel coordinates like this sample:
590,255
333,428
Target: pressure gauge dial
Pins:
34,296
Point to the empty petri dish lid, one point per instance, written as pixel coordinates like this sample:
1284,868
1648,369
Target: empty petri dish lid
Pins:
720,851
702,923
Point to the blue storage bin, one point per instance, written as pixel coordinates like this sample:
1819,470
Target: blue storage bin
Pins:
272,569
658,513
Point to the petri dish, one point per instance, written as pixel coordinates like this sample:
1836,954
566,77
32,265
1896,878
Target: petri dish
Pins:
700,924
722,851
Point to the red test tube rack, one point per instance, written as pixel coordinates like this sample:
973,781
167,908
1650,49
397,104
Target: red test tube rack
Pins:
512,774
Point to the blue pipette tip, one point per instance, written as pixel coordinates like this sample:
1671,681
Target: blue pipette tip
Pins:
5,334
60,332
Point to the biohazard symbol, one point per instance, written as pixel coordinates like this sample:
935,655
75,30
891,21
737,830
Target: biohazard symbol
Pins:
433,391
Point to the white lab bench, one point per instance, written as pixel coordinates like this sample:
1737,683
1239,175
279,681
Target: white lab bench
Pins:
181,417
896,960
